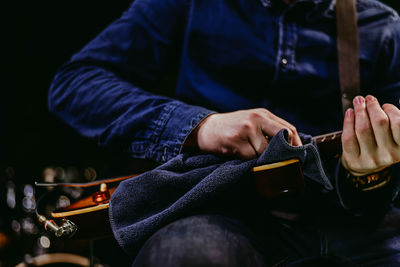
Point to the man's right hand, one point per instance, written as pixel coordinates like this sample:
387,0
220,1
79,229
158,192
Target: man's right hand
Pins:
243,133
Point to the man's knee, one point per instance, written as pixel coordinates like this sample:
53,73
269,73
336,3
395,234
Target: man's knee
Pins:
203,240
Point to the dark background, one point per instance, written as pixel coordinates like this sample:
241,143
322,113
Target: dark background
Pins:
37,37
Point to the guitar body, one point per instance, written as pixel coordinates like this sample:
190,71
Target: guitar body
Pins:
275,179
90,214
92,219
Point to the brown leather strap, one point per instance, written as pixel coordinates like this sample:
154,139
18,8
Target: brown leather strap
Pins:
348,51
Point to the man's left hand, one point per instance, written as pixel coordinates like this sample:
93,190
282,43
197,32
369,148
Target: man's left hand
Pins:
371,136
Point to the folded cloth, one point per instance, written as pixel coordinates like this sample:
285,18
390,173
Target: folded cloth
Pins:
142,205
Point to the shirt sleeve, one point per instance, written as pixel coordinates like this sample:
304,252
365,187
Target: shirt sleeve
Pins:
107,91
365,203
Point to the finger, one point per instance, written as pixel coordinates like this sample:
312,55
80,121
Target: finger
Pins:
394,118
245,151
271,127
349,140
379,122
363,129
258,141
294,138
293,135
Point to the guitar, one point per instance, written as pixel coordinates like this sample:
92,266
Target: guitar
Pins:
91,213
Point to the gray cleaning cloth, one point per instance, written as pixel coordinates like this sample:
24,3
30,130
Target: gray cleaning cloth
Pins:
142,205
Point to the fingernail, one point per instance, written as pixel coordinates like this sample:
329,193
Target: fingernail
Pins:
357,100
369,98
349,113
360,101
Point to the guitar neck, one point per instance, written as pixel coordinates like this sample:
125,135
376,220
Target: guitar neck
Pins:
329,144
330,137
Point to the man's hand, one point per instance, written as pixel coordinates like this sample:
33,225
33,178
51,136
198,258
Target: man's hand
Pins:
241,133
371,136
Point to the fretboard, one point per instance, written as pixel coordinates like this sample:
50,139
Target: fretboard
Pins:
330,137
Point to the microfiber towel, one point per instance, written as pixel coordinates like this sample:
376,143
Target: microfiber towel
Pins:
143,204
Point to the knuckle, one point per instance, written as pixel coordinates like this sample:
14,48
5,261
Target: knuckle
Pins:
246,126
255,115
388,107
363,129
382,121
232,137
347,138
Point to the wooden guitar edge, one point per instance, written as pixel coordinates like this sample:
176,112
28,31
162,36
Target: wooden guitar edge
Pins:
80,211
270,166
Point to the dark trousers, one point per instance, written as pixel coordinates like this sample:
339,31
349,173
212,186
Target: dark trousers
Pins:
216,240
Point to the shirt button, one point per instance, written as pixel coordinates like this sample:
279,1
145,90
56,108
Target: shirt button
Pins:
284,62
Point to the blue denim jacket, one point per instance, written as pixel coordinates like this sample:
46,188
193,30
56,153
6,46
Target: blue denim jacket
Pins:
151,76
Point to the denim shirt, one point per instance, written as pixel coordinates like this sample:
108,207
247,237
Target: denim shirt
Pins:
151,76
